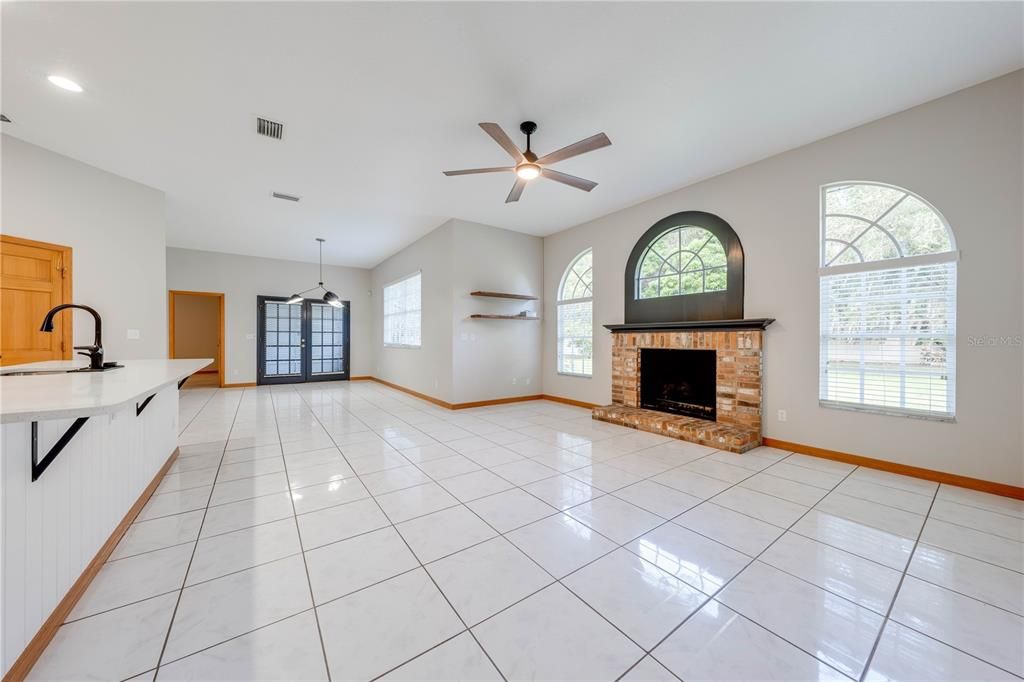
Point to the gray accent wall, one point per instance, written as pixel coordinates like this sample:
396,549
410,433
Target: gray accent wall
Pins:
963,153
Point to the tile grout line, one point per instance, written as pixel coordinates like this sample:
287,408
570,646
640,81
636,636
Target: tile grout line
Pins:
414,555
298,535
711,452
557,511
726,584
618,546
896,593
181,590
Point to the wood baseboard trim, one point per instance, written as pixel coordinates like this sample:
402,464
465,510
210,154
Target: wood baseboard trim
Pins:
978,484
496,401
245,384
415,394
23,665
478,403
364,377
568,401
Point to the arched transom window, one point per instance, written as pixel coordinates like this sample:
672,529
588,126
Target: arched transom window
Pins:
888,266
683,260
576,317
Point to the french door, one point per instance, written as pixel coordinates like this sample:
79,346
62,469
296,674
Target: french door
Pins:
307,341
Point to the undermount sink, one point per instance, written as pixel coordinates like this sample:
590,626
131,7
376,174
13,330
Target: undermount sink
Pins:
31,372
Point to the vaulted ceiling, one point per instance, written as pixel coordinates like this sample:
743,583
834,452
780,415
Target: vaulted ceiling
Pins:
378,98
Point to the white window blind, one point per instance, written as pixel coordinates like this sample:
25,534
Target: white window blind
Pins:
576,338
576,317
888,303
402,312
888,339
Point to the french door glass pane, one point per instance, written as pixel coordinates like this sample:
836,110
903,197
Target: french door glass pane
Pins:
327,338
283,339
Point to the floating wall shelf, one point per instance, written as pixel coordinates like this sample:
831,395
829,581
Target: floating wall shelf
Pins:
495,294
479,316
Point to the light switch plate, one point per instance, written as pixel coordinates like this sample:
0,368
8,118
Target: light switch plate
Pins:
133,334
250,337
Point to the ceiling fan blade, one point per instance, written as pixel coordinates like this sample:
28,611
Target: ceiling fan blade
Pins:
582,147
517,190
499,136
566,179
472,171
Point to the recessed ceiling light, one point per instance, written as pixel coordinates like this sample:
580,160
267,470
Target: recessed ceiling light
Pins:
65,83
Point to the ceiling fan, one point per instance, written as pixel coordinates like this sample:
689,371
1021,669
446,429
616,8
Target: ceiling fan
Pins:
528,166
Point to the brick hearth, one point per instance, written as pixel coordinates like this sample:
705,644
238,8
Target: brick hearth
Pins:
738,358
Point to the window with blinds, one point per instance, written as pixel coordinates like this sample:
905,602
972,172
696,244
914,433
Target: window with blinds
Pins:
576,317
888,303
403,312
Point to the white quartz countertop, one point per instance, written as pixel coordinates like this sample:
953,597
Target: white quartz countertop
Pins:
83,394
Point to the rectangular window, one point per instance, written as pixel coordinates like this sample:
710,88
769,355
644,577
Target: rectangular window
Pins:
888,340
402,312
576,338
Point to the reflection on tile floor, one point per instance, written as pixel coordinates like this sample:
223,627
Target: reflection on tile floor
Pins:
353,531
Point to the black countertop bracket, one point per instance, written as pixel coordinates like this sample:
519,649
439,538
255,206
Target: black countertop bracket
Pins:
140,407
39,466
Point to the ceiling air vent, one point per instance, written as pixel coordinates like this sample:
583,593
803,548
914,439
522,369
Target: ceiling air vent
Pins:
268,128
286,197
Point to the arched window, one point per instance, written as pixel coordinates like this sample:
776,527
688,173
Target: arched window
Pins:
576,317
687,267
888,264
684,260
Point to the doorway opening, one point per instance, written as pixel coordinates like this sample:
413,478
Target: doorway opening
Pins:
303,341
196,325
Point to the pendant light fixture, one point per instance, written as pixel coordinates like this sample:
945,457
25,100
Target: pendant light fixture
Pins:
330,297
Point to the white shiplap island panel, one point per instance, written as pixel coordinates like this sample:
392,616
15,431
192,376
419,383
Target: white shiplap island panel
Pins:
54,526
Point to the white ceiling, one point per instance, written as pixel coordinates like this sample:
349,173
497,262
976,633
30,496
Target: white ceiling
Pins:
379,98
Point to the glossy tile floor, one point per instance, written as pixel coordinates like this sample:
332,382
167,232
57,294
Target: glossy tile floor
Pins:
350,531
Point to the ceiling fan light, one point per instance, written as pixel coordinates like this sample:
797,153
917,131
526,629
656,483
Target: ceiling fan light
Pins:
294,298
331,298
528,171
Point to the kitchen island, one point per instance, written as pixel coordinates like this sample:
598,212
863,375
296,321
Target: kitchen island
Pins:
80,452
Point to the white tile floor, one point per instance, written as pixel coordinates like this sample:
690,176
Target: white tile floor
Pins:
352,531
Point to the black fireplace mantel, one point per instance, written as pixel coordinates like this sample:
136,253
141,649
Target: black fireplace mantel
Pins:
707,325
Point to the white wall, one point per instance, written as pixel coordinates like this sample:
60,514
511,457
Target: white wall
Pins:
963,153
242,278
427,369
495,358
463,360
116,230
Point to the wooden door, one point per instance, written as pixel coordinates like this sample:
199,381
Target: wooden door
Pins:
34,277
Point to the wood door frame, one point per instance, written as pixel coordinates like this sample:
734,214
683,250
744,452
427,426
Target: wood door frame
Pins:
171,293
67,326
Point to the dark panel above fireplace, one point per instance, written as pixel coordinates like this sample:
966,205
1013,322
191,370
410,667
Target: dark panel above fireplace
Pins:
679,381
710,303
710,325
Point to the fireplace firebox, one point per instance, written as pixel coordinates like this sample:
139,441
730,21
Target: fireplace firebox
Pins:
678,381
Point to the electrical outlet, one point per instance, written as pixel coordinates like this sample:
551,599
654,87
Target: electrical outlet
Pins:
133,334
514,380
782,415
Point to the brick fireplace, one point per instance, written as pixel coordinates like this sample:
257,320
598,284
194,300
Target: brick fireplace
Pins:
736,411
